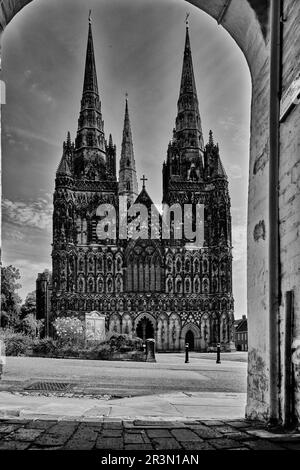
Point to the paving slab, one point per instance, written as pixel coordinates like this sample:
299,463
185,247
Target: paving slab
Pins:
178,405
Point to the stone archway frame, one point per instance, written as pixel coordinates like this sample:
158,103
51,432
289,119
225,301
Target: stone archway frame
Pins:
248,23
150,317
196,331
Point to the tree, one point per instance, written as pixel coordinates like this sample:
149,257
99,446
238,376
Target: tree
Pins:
10,300
29,325
29,306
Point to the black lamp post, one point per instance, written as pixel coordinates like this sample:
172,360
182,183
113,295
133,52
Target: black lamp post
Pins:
187,353
218,361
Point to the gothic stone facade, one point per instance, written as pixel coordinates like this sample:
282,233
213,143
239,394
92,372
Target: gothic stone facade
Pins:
150,288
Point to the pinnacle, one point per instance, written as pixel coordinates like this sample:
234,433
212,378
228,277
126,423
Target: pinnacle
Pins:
127,144
187,40
127,173
90,75
188,84
126,118
64,168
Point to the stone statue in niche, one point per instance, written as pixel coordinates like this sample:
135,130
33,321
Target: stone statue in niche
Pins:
205,332
162,332
224,329
174,333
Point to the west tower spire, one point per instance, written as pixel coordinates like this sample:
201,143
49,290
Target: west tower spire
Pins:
188,122
185,152
127,174
90,141
90,74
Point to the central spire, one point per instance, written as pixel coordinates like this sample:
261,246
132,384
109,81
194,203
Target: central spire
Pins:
127,175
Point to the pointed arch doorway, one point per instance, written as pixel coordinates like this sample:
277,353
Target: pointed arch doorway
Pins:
145,329
190,339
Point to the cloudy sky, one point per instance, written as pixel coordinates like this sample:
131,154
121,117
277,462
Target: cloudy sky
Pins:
139,49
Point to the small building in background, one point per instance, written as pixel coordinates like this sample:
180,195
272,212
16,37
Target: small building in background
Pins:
241,334
43,298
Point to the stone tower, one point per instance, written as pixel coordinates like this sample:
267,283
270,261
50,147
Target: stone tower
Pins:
186,150
128,185
85,178
194,174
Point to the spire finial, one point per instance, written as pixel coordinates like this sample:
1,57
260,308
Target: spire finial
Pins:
69,138
90,75
211,138
90,16
144,179
187,20
126,118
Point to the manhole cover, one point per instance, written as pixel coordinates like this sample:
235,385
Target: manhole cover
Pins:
49,386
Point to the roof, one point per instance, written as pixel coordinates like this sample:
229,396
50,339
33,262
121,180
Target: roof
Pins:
242,326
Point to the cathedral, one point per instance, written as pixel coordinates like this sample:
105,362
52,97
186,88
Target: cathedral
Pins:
164,289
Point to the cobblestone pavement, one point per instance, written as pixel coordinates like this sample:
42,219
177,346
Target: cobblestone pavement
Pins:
115,434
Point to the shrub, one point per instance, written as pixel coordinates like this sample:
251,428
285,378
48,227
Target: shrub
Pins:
100,351
69,330
44,347
16,344
119,342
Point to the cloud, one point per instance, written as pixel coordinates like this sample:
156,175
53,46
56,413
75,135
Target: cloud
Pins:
15,133
235,171
235,128
11,233
36,214
239,242
28,73
36,89
41,94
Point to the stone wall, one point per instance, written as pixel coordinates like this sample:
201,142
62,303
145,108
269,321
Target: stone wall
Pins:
8,9
289,185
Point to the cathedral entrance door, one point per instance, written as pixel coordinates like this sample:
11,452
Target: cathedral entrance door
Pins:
189,338
145,329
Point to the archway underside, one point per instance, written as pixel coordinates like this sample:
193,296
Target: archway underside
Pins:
247,21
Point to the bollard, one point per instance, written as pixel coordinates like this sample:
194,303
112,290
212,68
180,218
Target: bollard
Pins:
218,361
187,353
150,350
